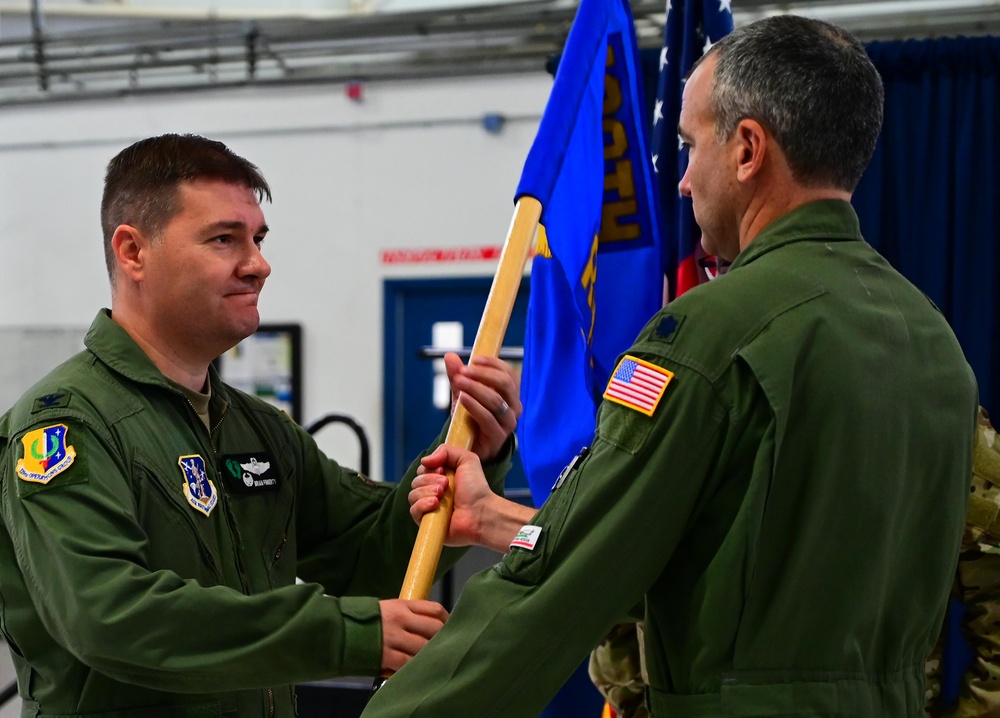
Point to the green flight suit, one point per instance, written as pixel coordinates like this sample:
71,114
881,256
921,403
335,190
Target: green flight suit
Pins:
148,566
791,509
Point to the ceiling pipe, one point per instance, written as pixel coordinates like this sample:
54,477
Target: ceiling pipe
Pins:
166,12
38,42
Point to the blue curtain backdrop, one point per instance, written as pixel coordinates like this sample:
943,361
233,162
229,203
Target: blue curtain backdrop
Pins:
930,202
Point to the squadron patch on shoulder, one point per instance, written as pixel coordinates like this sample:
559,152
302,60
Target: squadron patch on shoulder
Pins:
638,384
198,488
46,454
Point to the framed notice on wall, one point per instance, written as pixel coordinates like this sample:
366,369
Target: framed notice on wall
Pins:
268,364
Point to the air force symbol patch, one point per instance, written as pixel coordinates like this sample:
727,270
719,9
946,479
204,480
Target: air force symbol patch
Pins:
45,454
198,489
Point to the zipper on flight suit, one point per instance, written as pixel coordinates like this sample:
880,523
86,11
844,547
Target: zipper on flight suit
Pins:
234,533
235,536
215,453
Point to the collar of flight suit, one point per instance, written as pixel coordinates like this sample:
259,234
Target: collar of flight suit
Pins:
823,220
109,341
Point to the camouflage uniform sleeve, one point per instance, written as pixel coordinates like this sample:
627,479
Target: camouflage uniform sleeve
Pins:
979,580
617,670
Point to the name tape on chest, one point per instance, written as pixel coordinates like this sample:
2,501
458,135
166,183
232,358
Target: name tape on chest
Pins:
250,473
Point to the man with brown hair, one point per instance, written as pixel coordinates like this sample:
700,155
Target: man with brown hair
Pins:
155,519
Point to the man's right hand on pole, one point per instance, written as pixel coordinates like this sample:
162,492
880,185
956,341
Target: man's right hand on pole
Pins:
479,516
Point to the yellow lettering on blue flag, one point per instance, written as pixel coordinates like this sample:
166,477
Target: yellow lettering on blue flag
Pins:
625,212
542,248
589,282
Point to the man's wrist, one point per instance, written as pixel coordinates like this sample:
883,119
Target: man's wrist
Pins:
503,519
503,453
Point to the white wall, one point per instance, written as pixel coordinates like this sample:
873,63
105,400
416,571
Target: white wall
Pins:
409,166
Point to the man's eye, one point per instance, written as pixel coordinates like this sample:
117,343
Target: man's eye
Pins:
258,241
221,239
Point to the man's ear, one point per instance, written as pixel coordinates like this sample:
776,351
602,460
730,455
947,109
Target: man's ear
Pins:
130,247
752,145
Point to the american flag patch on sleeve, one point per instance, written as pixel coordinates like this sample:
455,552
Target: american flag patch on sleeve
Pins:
638,384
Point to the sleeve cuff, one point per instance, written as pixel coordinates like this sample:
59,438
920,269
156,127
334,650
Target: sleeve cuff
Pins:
362,618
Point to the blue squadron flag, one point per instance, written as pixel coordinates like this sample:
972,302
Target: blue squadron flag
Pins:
597,276
692,27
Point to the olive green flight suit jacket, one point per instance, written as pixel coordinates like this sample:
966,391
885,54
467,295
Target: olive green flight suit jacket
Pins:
790,508
148,566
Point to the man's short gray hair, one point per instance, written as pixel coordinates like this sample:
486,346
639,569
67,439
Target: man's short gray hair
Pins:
812,85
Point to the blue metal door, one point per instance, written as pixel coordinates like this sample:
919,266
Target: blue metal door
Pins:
412,308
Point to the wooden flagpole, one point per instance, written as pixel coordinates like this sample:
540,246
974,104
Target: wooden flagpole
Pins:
499,305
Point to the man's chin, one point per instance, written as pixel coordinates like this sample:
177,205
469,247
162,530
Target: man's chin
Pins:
244,328
251,326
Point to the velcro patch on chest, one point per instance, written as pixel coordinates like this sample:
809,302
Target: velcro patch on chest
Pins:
198,488
250,473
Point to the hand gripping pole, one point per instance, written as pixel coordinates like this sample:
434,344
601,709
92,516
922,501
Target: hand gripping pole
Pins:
499,305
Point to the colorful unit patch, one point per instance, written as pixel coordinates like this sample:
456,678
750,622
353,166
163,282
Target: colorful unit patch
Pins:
638,384
198,489
527,537
45,454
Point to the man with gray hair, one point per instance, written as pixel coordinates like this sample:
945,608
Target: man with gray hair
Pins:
780,469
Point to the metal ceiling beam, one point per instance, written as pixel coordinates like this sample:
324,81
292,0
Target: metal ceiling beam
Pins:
51,60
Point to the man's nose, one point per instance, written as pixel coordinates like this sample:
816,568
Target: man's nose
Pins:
684,186
255,264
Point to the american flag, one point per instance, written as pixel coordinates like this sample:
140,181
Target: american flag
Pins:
638,385
693,26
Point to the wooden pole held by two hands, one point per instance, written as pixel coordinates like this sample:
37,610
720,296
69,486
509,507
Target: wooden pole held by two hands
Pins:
462,432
